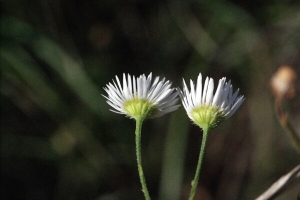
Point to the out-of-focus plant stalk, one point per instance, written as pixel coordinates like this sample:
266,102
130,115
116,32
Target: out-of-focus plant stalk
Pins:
283,85
286,124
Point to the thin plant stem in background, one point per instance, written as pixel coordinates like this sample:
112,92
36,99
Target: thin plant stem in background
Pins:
139,99
283,85
208,110
286,124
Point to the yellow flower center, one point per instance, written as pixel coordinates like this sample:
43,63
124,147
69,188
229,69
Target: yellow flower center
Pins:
207,117
139,108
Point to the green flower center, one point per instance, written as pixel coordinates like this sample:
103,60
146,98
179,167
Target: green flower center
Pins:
140,108
207,117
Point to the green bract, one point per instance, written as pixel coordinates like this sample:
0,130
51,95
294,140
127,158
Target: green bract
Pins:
139,108
207,116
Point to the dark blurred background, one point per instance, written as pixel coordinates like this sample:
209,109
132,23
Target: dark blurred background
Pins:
59,139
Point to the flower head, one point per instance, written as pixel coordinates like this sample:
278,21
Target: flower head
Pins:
206,109
139,98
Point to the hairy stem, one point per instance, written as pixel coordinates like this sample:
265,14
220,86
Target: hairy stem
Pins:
138,130
197,174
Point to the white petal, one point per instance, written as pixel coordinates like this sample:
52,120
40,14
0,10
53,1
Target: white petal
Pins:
134,86
199,91
193,93
232,99
236,105
219,93
204,90
129,86
210,90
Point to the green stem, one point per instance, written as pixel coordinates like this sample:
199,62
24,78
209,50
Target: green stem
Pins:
197,174
138,129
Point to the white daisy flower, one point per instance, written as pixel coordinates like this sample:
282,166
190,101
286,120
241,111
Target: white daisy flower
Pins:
139,98
206,109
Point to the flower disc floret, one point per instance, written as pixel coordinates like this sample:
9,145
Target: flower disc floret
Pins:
206,109
140,98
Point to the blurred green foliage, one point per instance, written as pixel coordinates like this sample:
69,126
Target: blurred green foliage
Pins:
59,139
